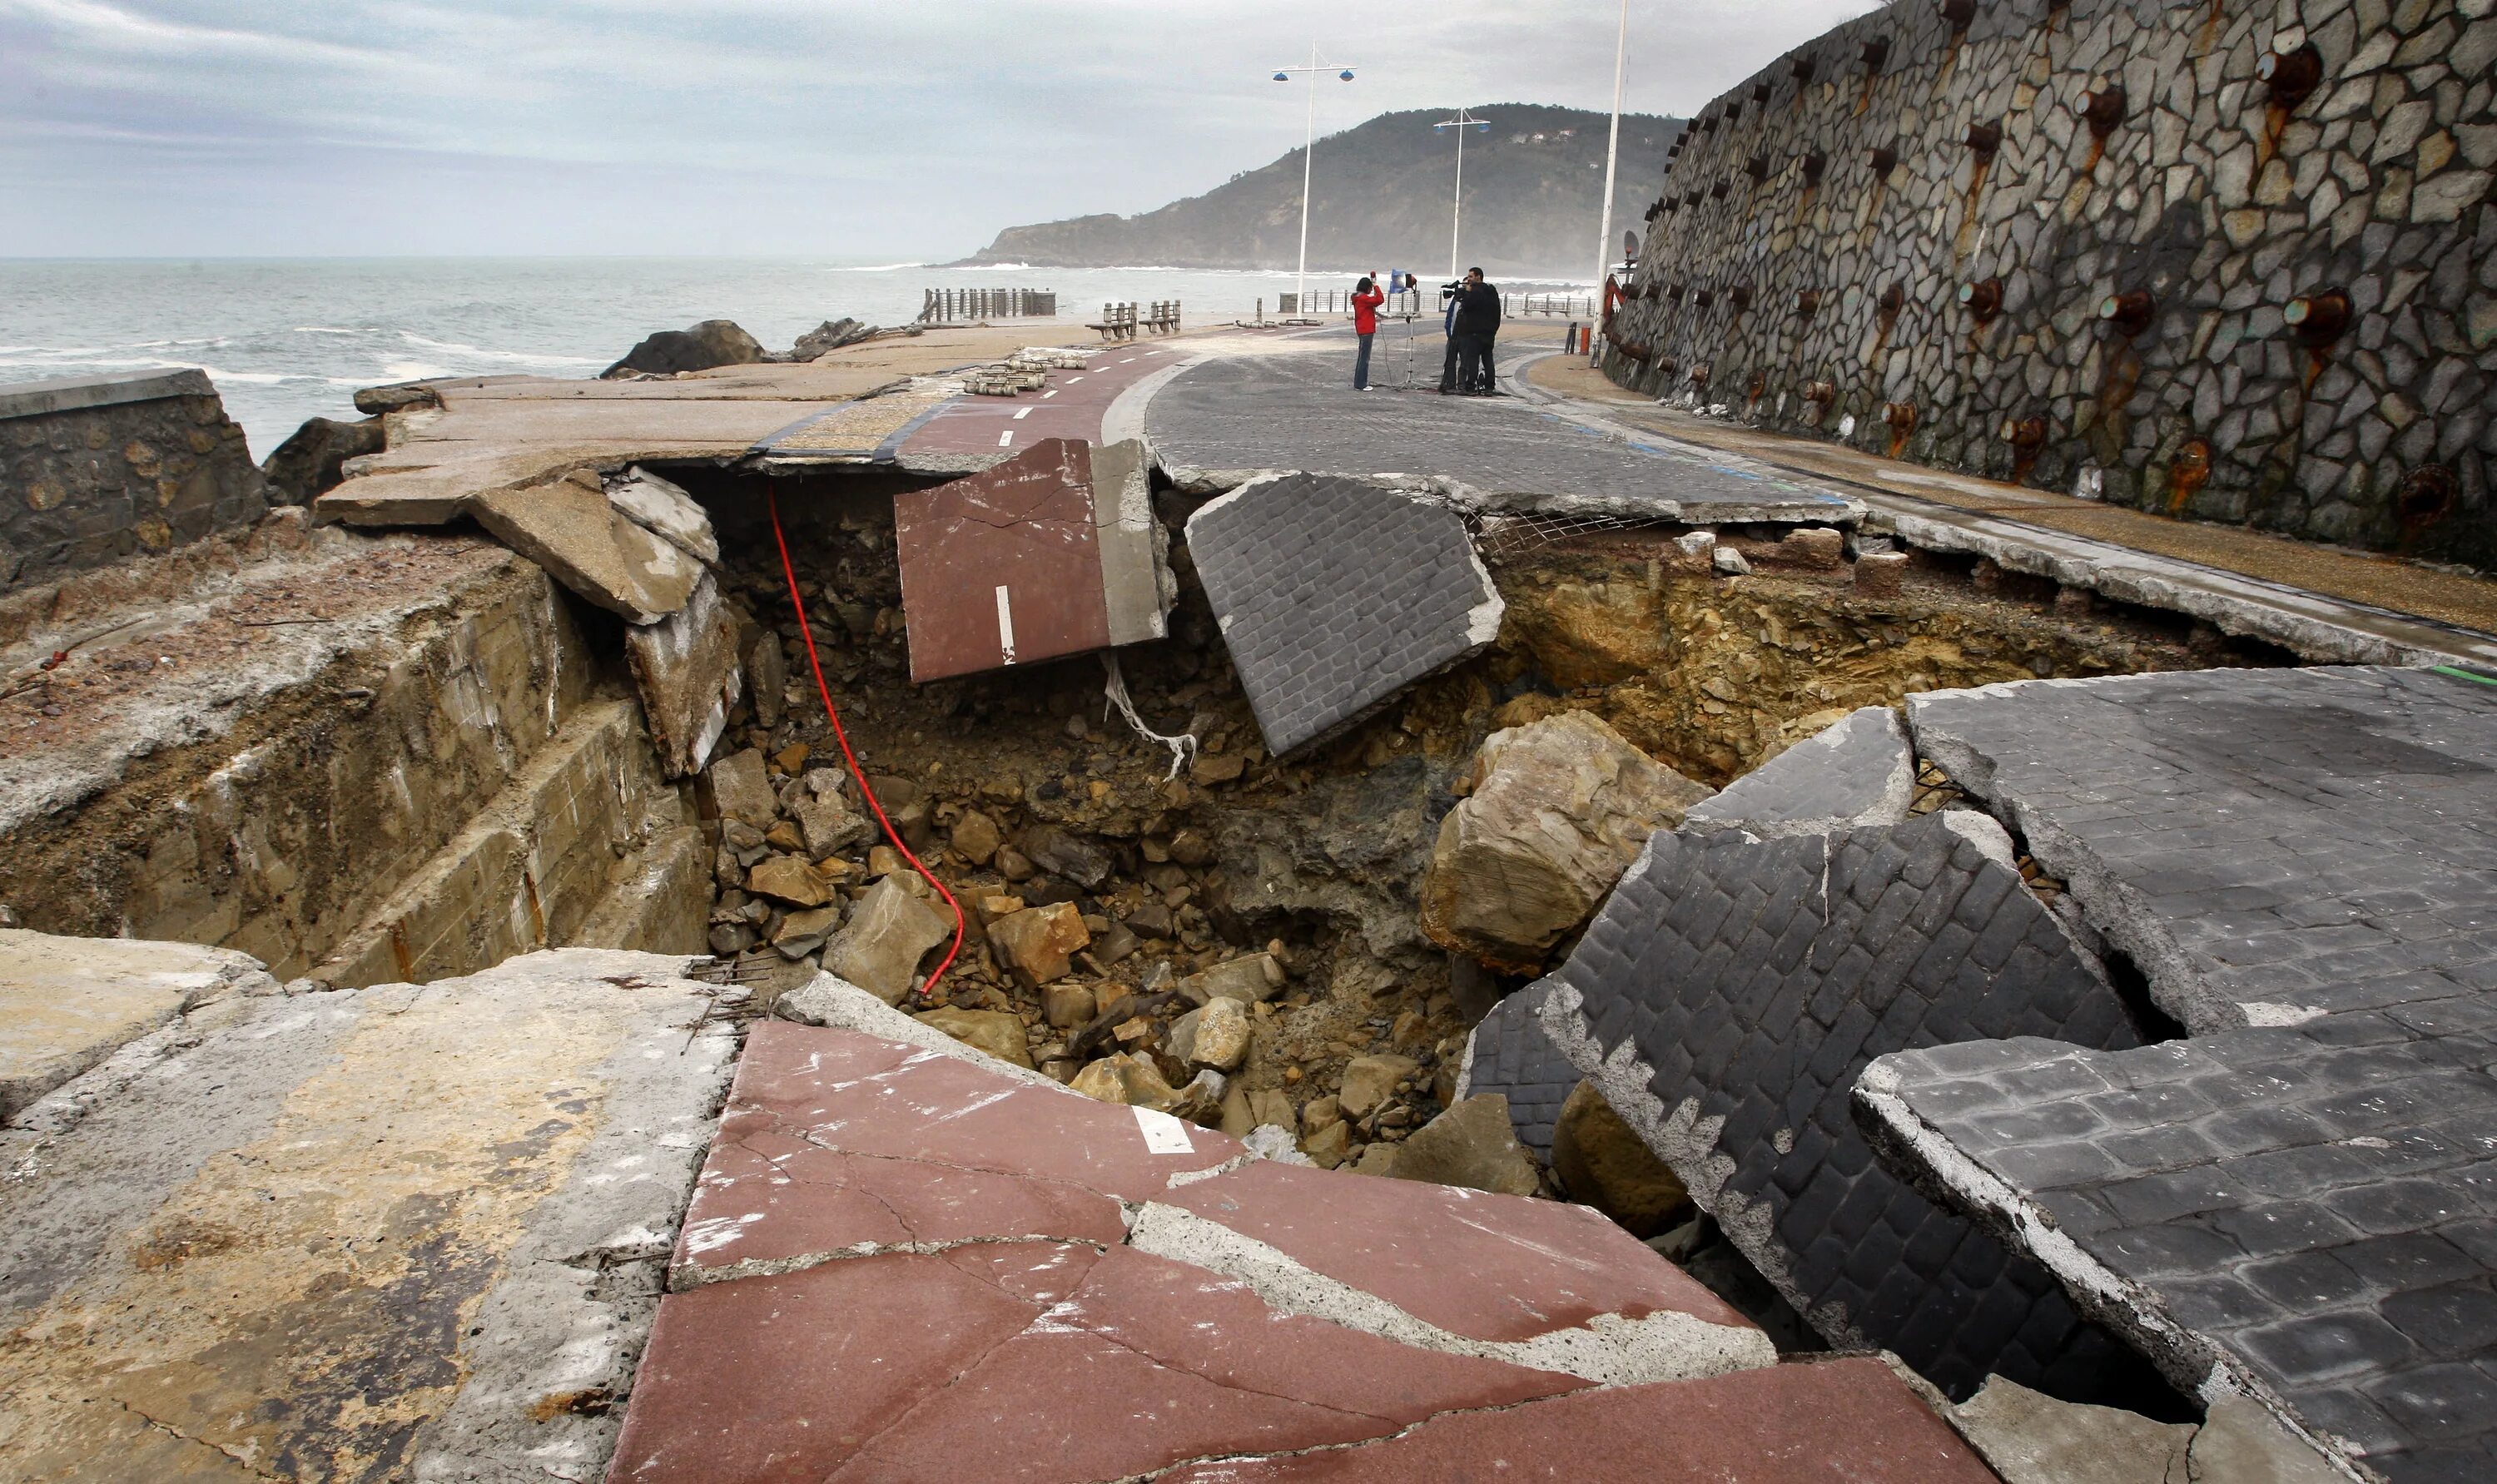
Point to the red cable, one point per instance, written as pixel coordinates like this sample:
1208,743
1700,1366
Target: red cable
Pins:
807,636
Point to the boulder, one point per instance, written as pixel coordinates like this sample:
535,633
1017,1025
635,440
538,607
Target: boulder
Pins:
1369,1081
1471,1145
1552,814
1605,1164
1038,942
666,512
1248,980
975,837
1376,1159
308,465
686,668
1214,1034
699,348
828,823
995,1032
572,529
1128,1078
739,787
788,878
1879,574
890,931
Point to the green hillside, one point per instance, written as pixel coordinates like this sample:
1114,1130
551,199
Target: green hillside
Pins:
1534,191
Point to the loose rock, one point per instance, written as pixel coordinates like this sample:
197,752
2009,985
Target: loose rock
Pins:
1369,1080
1068,1006
1064,854
789,878
995,1032
699,348
889,931
975,837
738,787
1216,1034
1471,1145
1605,1164
1250,979
1128,1078
1039,943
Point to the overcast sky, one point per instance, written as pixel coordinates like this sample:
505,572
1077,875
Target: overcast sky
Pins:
897,129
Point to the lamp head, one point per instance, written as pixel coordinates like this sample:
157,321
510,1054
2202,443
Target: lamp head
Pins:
1346,75
1283,77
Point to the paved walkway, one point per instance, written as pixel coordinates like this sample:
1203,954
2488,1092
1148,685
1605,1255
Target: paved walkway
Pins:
1249,403
2459,611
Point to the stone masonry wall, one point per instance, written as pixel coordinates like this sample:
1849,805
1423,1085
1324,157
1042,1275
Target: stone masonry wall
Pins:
2233,259
95,469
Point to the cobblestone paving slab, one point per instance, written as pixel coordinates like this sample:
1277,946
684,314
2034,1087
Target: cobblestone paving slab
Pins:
1334,595
2306,1213
910,1263
1725,1000
2266,844
1854,772
1509,1054
1231,416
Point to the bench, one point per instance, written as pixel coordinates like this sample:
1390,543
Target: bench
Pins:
1118,322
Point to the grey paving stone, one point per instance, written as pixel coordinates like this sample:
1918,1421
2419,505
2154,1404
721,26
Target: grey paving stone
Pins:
1856,772
1509,1054
2265,844
1334,595
1291,406
1725,1000
2341,1272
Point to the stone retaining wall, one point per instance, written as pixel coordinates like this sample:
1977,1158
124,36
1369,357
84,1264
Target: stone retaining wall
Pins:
95,469
2097,246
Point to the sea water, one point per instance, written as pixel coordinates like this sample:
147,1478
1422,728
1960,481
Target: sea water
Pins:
289,339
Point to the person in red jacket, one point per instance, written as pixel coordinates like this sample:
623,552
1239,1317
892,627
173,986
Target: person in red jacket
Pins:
1367,297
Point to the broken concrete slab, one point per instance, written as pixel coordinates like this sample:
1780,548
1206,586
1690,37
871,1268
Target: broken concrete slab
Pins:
2294,1214
1856,772
1509,1053
1334,595
665,510
67,1003
1836,1419
356,1232
1722,1003
739,787
570,527
2265,844
2030,1437
891,929
686,668
920,1246
1024,561
1548,815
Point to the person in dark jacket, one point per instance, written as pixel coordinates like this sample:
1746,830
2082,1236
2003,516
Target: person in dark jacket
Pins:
1472,328
1367,297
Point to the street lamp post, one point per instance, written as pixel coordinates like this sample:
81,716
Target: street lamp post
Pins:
1456,215
1612,154
1309,153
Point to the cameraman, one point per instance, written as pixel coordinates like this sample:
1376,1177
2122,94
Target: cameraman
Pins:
1473,324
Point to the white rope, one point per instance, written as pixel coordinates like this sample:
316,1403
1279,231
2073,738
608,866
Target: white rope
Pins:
1114,690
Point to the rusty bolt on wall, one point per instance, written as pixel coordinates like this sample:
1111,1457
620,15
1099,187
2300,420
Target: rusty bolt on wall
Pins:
2319,318
1960,13
1807,303
2427,496
1718,191
1702,298
1814,166
2028,439
2103,109
1803,68
1982,300
1893,299
1884,161
1757,169
1901,418
2126,313
1741,294
1874,53
2291,76
1700,375
1984,141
